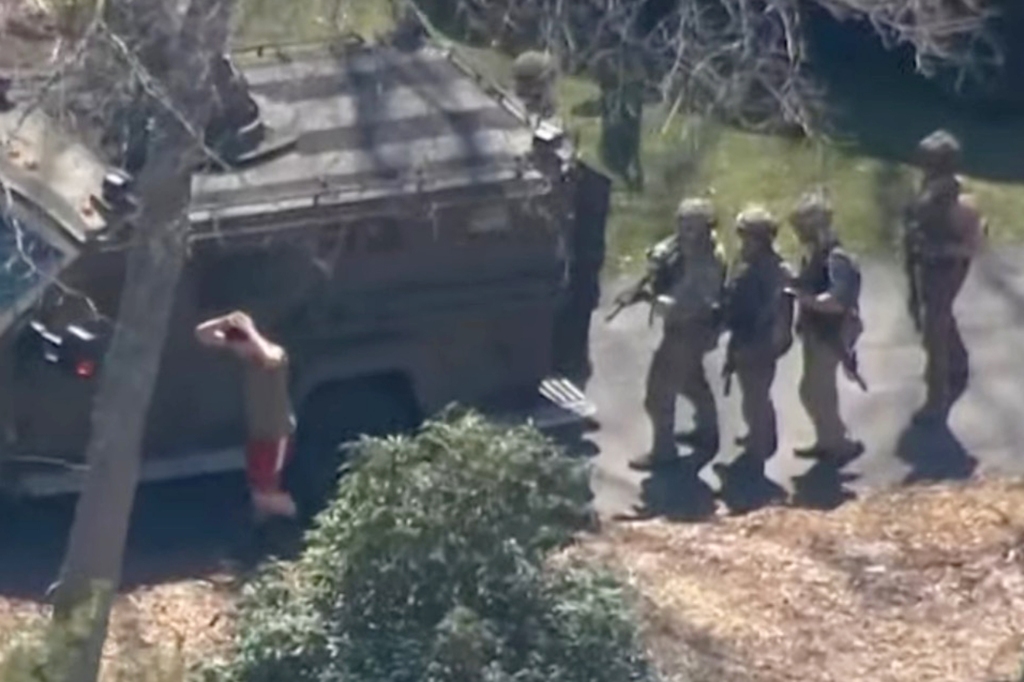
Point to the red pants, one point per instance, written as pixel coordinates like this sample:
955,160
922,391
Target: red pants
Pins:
265,460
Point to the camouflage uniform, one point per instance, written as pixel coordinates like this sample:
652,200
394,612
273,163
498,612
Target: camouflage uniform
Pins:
826,335
622,82
944,232
690,330
759,320
534,75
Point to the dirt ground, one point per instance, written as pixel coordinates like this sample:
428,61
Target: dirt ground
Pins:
921,585
169,627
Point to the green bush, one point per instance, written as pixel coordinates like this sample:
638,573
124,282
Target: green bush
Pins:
430,566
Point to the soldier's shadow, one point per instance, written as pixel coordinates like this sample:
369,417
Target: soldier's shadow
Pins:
745,486
823,486
934,454
676,492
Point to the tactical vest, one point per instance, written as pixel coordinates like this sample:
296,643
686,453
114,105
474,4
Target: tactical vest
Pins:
665,262
931,226
751,325
815,279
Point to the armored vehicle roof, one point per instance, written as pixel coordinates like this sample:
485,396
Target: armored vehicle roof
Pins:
370,121
44,166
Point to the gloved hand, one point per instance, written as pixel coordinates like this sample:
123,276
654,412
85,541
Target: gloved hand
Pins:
662,304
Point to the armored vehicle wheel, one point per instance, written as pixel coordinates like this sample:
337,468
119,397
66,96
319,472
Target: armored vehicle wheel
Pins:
337,414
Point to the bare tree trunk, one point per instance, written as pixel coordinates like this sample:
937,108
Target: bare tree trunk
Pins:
93,561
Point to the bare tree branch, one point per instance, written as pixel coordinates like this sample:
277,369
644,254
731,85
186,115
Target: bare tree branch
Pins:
743,60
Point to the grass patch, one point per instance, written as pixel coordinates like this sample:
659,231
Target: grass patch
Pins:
273,21
686,155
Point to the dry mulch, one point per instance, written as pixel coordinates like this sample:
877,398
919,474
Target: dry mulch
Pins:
177,623
922,585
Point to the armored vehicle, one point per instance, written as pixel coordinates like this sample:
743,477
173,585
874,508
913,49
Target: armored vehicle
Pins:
387,215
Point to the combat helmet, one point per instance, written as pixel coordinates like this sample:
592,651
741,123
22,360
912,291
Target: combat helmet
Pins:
756,220
812,209
939,153
694,211
533,73
533,67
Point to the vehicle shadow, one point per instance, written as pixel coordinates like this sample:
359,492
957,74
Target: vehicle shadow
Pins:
179,531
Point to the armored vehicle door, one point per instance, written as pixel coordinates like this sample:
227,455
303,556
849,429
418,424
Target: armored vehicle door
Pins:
591,204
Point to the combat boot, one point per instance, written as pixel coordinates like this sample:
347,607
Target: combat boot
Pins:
657,458
702,440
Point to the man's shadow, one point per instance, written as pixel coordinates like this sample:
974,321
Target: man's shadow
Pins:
676,492
933,453
824,485
745,485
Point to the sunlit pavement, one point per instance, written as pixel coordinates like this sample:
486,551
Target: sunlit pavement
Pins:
985,425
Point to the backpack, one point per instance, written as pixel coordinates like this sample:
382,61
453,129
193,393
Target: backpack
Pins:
782,324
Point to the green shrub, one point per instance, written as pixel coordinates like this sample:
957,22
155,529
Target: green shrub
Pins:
430,566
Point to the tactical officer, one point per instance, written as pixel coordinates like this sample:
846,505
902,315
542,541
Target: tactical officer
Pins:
827,292
534,75
760,321
621,78
944,231
691,326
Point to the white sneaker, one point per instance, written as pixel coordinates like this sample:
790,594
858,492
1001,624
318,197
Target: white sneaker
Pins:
266,505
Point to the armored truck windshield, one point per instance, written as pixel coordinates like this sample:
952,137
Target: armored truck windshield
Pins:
31,256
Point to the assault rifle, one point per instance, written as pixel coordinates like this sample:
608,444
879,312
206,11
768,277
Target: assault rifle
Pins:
664,265
641,291
910,266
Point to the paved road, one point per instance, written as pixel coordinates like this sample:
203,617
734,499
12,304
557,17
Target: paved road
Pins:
985,426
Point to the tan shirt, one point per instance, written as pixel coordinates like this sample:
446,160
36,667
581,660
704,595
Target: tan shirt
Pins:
268,407
969,229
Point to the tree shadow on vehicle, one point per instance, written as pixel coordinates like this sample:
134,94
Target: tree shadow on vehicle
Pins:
675,492
934,454
745,486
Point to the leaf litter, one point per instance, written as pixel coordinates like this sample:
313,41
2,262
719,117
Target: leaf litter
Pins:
922,584
179,623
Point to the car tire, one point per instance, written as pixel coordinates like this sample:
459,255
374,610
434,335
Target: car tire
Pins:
336,414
